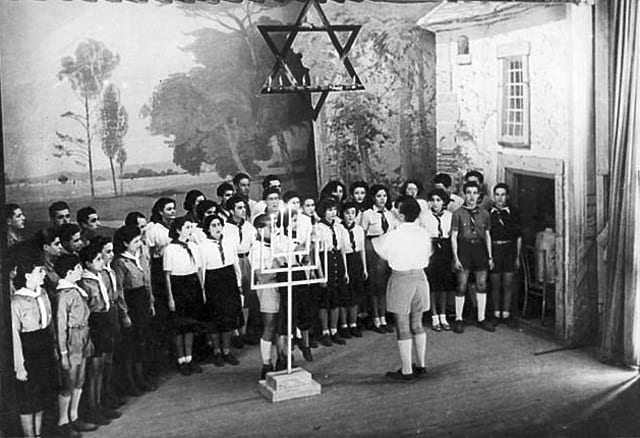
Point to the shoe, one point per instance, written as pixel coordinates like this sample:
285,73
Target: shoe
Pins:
337,339
281,363
217,360
110,402
345,332
195,367
436,327
249,340
230,359
486,325
445,326
66,431
420,372
184,369
458,326
148,386
326,341
355,332
313,343
397,376
133,391
389,328
380,329
96,418
237,342
511,322
110,414
84,426
306,353
265,369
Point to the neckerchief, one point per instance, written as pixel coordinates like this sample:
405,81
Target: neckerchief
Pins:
135,258
185,246
383,220
219,244
352,237
42,309
103,289
64,284
334,237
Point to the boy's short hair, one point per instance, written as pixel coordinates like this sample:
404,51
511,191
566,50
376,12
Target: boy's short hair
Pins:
89,253
347,205
202,208
64,264
46,236
23,266
123,236
474,173
270,191
67,231
261,221
409,207
239,177
502,186
266,182
82,217
443,178
132,218
442,194
100,241
325,204
232,201
57,206
469,184
289,195
11,209
224,187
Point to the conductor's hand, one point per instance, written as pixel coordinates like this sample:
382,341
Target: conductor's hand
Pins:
21,375
457,265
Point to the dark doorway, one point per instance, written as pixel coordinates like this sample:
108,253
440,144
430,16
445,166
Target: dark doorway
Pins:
534,196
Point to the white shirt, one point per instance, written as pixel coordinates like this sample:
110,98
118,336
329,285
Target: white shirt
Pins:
358,234
372,221
325,236
231,232
157,236
177,261
406,248
431,224
210,253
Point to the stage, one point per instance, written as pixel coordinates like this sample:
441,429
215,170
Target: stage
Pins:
478,384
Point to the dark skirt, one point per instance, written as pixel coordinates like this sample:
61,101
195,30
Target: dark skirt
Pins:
336,293
103,329
223,310
297,301
138,336
187,296
306,305
378,270
439,272
40,363
355,269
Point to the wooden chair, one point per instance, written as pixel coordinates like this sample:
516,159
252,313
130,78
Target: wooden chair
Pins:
532,286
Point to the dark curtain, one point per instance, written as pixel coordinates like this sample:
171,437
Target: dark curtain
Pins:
621,324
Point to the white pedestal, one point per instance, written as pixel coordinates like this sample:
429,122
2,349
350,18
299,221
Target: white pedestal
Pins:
280,386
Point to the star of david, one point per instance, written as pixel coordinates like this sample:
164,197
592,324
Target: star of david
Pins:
292,31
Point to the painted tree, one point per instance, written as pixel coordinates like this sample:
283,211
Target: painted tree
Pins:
121,159
114,124
86,71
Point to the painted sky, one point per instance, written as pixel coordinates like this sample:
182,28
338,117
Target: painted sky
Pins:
35,35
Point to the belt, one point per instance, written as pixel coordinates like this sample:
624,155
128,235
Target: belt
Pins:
502,242
241,256
78,326
473,240
372,237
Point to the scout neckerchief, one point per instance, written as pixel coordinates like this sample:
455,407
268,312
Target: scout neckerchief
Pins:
65,284
186,247
42,309
103,289
135,258
438,217
352,237
384,221
334,237
239,225
219,244
472,215
111,274
498,211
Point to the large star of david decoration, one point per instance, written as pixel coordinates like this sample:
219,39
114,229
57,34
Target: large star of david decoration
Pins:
304,85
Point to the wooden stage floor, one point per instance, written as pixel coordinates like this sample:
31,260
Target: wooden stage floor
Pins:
479,384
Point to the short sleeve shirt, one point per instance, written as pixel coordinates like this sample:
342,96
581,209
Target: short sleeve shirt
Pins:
505,223
178,261
471,224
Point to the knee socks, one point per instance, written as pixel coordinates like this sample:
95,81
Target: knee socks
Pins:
404,346
420,341
482,305
459,307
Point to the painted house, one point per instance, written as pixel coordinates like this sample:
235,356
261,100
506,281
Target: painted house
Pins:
514,93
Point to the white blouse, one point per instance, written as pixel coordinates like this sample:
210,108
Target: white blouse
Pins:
431,224
372,222
157,236
325,236
211,257
231,232
177,261
358,234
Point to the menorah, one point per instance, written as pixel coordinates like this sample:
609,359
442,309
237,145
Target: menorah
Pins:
299,256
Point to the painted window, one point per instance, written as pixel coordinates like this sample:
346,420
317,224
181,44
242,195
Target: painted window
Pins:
463,45
514,95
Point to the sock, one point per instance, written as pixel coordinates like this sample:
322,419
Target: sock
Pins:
353,325
482,306
383,320
344,326
376,321
459,307
326,332
333,331
181,360
188,359
496,313
75,402
505,314
443,319
265,351
420,341
225,351
435,320
219,351
63,409
405,346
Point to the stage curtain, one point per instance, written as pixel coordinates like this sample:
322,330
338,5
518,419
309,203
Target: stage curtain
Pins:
620,341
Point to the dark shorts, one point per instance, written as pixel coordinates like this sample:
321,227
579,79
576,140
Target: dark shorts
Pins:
138,337
103,331
504,256
473,255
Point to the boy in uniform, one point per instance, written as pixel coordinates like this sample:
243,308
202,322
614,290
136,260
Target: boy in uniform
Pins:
471,247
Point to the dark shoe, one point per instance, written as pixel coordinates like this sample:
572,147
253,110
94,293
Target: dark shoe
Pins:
397,376
111,402
249,340
265,369
344,332
337,339
306,353
281,363
380,329
313,343
458,326
436,327
486,325
184,369
230,359
217,360
84,426
110,414
389,328
511,322
66,431
195,367
355,332
326,341
420,372
237,342
148,386
96,418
